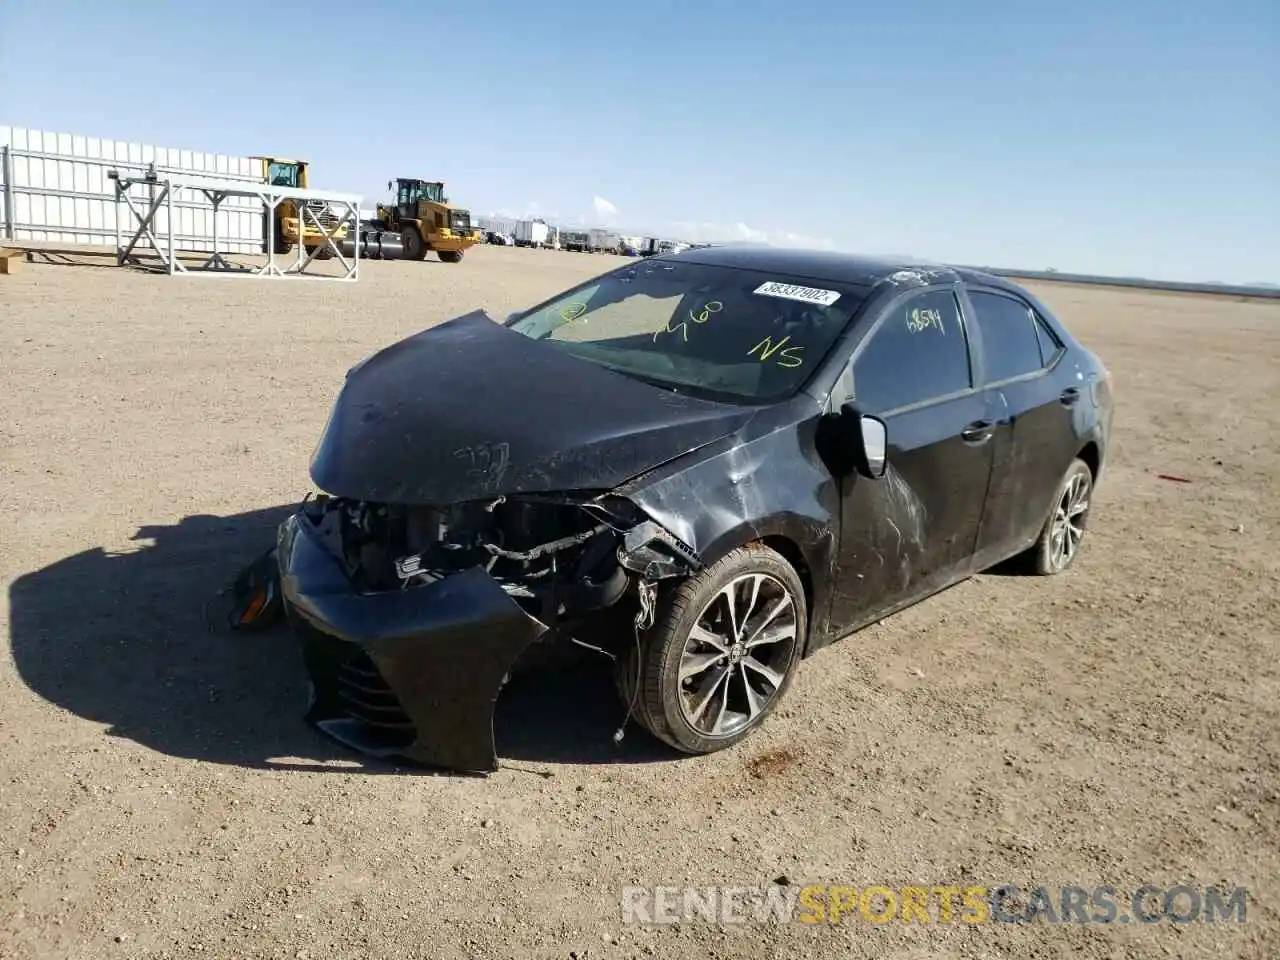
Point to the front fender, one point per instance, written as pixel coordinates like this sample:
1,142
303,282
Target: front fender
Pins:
738,490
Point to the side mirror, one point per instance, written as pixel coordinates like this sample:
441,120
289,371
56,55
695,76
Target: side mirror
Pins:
870,440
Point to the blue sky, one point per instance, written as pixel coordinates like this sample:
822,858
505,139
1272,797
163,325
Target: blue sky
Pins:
1133,137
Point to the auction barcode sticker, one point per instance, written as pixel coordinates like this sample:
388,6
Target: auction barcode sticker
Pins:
789,291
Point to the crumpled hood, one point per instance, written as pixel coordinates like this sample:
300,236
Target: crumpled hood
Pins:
471,409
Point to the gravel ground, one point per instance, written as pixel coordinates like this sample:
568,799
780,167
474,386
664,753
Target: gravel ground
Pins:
161,797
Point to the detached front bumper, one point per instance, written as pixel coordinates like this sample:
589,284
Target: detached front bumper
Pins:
412,673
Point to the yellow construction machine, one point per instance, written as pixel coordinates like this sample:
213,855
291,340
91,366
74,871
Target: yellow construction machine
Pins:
425,220
287,221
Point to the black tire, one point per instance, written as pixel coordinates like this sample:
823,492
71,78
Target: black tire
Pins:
414,248
1047,558
659,702
451,256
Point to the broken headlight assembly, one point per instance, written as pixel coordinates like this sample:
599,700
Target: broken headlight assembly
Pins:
557,556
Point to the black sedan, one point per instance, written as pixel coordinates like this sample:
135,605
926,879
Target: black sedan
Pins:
707,465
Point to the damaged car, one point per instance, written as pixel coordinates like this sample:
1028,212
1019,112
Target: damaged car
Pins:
706,465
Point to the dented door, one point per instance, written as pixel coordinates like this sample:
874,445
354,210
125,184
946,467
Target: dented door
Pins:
912,531
915,529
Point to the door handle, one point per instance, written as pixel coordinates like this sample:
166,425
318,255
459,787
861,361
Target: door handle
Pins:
1070,396
976,432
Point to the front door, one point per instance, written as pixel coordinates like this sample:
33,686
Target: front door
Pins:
913,530
407,200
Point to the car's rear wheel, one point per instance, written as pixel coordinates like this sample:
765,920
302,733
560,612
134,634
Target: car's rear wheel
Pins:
721,653
1059,543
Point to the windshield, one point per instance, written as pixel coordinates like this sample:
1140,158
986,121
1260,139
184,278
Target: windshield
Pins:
282,174
735,334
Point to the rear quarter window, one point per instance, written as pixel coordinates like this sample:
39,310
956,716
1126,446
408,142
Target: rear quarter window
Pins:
1050,345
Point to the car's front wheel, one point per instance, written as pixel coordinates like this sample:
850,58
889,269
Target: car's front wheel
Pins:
721,653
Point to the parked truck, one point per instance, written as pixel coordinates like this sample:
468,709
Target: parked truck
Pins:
603,241
578,241
531,233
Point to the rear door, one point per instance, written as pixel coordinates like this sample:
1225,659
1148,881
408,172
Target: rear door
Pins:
1034,409
909,533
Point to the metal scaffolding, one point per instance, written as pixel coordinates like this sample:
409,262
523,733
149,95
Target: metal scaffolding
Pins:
159,195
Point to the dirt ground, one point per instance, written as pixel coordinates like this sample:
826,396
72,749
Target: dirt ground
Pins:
160,795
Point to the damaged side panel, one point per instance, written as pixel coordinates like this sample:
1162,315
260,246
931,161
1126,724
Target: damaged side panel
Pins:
770,483
913,531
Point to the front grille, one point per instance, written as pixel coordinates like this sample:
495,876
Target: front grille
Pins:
320,210
367,698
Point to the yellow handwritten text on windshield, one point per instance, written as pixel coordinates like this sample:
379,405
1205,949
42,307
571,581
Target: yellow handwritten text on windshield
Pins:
572,311
788,357
699,316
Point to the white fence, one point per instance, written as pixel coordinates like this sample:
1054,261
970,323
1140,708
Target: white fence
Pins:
55,189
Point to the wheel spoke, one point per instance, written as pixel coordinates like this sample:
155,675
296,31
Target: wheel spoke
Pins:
754,702
764,670
707,691
720,704
767,635
1057,543
729,598
710,638
772,615
695,663
751,603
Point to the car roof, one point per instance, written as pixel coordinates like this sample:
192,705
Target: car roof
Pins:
835,267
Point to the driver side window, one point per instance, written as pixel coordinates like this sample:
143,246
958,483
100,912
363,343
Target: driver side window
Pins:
918,353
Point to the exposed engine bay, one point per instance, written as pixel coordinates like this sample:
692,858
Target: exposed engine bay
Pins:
559,557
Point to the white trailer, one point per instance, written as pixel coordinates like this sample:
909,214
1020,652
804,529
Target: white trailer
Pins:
531,233
604,241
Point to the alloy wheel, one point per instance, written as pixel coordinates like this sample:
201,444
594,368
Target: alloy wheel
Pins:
1068,521
737,655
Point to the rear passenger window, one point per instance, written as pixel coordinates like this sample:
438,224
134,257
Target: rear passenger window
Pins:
1010,343
919,352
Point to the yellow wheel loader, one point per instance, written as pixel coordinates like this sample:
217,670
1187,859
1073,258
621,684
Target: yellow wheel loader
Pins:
287,220
425,220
